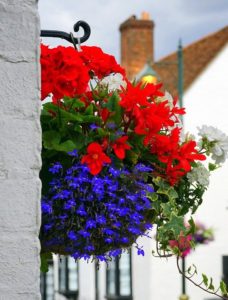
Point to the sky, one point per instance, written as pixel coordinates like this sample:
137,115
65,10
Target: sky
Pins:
189,20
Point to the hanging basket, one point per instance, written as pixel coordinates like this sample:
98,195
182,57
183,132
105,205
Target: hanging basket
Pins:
113,158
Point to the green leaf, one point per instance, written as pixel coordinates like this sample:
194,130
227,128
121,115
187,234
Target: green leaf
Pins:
63,114
165,189
192,227
78,128
51,139
112,102
132,156
223,287
102,132
212,167
65,146
72,103
77,104
205,279
152,196
114,107
211,286
167,209
90,119
44,258
89,110
175,224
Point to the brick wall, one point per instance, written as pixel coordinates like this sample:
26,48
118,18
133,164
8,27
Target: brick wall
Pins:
20,145
136,44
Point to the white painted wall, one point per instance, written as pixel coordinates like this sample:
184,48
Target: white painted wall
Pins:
20,145
86,280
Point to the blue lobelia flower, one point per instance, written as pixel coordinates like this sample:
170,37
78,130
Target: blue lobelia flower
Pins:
56,168
86,215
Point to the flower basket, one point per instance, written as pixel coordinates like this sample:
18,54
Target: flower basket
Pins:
114,160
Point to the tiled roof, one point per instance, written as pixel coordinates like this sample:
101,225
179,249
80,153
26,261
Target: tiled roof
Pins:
196,57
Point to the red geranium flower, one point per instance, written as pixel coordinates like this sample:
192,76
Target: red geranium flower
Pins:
102,64
96,158
120,146
63,73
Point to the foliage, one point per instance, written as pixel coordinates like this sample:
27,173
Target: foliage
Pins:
114,150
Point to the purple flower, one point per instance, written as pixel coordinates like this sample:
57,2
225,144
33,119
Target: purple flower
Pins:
46,208
108,240
84,233
101,257
88,214
56,168
140,252
142,168
69,204
115,252
124,240
108,231
73,153
93,126
134,230
89,248
81,211
90,224
72,236
111,125
101,220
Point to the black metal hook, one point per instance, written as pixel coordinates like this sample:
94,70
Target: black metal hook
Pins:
68,36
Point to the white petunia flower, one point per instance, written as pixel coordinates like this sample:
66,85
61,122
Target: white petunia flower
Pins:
219,139
114,82
199,174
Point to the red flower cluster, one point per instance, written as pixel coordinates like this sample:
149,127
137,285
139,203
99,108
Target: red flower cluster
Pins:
62,73
96,158
66,72
152,119
100,63
176,156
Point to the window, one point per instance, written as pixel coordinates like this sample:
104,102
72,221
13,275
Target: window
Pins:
68,278
47,283
225,268
119,278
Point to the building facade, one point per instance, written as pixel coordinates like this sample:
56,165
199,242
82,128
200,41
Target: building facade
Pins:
134,277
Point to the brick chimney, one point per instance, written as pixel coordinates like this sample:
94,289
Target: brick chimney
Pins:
137,45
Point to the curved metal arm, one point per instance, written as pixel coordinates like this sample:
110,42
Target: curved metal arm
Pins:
68,36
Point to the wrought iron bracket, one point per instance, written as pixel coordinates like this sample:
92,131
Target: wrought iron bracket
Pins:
69,36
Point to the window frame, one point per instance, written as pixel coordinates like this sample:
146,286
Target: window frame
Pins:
117,295
43,280
69,294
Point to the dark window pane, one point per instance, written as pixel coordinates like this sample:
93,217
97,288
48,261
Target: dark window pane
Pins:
62,274
119,278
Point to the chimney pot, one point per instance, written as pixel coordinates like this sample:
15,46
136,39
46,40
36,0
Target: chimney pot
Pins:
145,15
